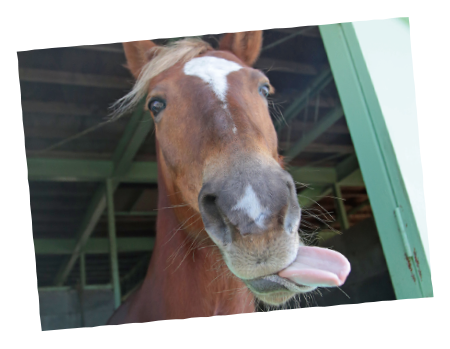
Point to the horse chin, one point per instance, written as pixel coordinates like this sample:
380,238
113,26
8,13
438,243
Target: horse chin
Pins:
275,298
275,290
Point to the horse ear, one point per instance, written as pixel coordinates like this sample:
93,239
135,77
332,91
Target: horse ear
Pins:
245,45
137,54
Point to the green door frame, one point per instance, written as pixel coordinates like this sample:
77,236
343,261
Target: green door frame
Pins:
366,112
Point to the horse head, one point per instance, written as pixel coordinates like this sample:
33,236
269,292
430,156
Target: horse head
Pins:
217,152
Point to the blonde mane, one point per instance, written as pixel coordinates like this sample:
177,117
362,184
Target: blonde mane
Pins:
163,58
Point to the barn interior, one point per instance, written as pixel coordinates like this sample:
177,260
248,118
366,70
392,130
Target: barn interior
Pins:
93,183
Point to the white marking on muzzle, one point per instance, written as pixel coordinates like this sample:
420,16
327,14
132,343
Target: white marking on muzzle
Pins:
250,204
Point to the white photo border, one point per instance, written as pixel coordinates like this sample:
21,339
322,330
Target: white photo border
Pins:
37,338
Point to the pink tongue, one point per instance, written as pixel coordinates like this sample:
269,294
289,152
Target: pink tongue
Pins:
315,266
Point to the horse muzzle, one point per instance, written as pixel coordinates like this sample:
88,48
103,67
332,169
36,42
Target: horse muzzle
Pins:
251,200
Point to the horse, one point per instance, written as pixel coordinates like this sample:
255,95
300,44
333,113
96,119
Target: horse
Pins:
228,213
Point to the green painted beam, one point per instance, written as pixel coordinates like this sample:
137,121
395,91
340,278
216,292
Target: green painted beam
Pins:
115,274
316,175
68,288
346,167
146,172
94,211
310,196
50,76
323,125
93,245
317,85
355,179
134,135
346,172
68,169
75,170
136,201
325,234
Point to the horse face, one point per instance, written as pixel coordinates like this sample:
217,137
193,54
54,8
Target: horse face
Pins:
218,152
248,203
219,148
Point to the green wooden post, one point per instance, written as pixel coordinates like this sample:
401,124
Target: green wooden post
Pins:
93,245
135,133
372,67
113,242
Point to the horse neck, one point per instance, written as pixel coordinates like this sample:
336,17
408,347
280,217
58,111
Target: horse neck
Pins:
187,279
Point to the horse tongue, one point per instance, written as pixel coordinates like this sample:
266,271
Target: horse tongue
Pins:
315,266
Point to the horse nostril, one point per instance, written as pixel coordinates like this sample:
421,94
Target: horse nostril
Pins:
209,202
214,220
208,205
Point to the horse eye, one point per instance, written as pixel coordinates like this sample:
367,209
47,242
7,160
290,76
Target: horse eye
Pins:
156,106
264,90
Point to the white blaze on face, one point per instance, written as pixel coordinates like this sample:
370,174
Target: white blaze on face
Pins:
213,71
249,203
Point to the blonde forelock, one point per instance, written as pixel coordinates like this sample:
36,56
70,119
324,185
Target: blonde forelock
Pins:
163,58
